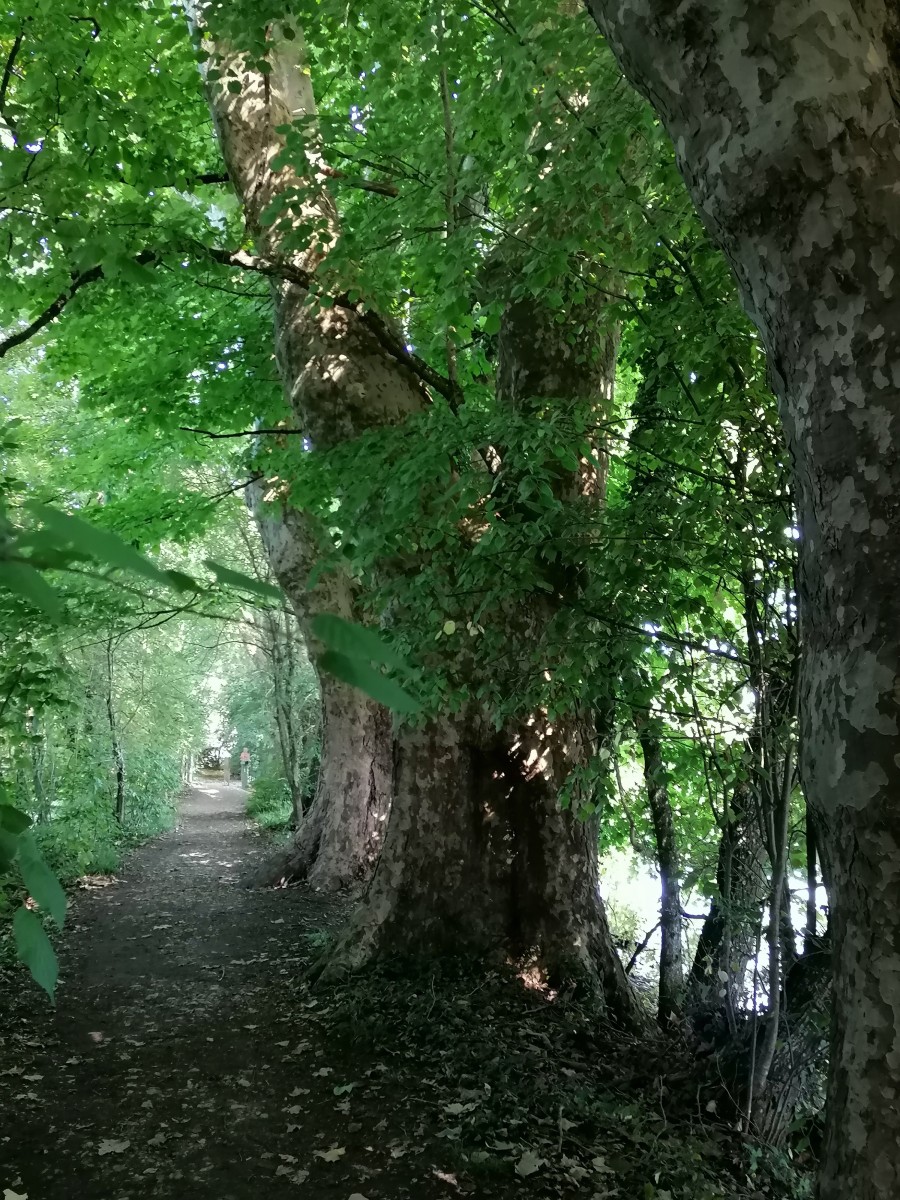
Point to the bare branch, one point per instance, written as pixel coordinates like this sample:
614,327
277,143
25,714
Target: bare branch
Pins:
272,269
7,77
365,185
240,433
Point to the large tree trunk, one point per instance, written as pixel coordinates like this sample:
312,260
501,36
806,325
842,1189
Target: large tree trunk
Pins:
478,856
488,865
338,841
786,124
339,380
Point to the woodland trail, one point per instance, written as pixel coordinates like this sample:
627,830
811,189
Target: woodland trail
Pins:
189,1058
173,1031
184,1058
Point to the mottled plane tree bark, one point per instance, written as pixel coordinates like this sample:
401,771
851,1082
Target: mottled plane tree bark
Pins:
786,125
338,841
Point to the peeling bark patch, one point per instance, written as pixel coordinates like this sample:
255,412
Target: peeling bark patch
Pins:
849,507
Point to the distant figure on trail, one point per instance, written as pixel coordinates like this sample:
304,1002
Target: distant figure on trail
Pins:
245,768
225,764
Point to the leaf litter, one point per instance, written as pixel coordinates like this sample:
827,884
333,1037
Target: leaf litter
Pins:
186,1034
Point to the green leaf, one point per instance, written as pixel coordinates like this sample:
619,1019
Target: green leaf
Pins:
9,848
360,675
42,884
35,951
13,820
25,581
99,544
182,582
354,641
244,583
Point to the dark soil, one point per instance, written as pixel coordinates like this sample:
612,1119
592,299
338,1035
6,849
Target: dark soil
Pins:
188,1058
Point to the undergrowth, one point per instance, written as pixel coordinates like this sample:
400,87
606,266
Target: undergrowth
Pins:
550,1092
269,804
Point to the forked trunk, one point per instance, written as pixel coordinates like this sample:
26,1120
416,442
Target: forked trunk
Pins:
480,860
463,866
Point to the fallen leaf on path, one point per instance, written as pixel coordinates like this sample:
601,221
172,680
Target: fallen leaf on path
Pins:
331,1155
294,1176
9,1194
358,1196
111,1146
456,1110
528,1163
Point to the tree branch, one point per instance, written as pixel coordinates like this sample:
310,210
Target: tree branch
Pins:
373,322
52,311
5,81
365,185
241,433
285,271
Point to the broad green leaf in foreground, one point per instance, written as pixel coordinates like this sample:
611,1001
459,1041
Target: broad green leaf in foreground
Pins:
13,820
35,951
42,884
354,641
243,582
369,680
24,580
99,544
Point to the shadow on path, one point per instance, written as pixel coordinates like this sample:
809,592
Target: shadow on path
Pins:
169,1066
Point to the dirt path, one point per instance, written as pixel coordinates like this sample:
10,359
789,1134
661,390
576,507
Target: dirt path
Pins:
188,1058
178,1061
